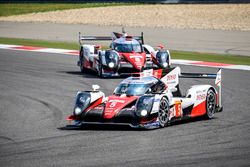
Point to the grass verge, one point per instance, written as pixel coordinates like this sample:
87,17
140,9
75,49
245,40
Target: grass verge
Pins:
8,9
39,43
222,58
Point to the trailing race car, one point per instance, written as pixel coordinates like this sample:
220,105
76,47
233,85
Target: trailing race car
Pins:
152,100
127,54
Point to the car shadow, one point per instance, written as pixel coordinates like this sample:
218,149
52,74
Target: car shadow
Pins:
128,128
100,128
188,121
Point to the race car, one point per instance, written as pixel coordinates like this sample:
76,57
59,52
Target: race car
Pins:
127,54
151,100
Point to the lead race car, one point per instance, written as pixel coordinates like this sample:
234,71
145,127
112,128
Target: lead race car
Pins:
151,100
127,54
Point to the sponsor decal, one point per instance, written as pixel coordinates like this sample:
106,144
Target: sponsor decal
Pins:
171,113
218,78
137,59
172,82
135,56
117,101
98,107
178,109
201,97
171,77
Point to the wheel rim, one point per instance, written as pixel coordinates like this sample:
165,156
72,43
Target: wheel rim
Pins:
163,112
211,101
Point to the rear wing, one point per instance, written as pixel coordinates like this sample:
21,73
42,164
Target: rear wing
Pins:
217,77
114,36
93,38
171,77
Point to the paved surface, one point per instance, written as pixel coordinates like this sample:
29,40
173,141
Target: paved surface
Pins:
37,93
212,41
173,61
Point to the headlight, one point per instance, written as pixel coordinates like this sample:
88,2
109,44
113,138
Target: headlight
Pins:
144,113
78,111
144,105
162,58
111,65
82,102
165,65
111,58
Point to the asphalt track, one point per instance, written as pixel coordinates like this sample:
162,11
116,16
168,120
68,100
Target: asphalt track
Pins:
37,94
210,41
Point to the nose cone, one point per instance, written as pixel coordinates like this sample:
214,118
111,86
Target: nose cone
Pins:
136,59
115,104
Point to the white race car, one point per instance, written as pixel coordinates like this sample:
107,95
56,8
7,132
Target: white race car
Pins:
127,54
151,100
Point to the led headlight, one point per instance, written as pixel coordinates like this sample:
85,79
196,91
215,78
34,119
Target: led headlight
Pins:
165,65
111,58
78,111
162,58
144,105
144,113
82,102
111,65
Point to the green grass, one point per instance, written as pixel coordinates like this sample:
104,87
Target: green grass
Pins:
230,59
39,43
221,58
8,9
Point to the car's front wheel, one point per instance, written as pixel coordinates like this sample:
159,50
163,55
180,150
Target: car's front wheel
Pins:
100,67
210,104
163,112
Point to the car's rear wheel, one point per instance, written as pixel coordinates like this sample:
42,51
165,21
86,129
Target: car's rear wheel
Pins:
163,112
100,70
81,61
210,104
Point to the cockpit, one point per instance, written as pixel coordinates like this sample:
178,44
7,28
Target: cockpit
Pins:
124,46
135,86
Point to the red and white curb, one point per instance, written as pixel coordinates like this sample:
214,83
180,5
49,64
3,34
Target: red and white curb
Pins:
174,61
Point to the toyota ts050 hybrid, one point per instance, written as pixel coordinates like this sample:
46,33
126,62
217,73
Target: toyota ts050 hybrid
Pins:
151,100
127,54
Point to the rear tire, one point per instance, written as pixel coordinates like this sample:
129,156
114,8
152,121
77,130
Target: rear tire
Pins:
163,112
81,60
210,104
100,71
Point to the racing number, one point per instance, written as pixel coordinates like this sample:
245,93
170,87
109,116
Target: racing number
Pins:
178,110
112,104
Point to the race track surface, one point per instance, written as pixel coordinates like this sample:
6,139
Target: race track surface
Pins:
37,94
210,41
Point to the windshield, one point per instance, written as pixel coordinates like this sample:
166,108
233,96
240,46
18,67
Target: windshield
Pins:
132,89
127,48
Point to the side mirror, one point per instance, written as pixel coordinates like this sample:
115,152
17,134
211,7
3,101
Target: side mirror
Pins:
149,90
95,87
98,46
161,46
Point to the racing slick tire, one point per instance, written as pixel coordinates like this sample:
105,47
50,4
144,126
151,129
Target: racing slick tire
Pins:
163,113
81,61
210,104
100,70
